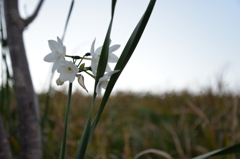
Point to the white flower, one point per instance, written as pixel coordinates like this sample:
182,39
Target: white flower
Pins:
103,82
58,53
112,58
67,71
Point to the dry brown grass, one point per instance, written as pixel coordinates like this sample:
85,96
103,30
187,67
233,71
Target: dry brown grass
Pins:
181,124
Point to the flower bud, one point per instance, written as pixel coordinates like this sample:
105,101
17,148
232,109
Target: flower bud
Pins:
87,54
59,82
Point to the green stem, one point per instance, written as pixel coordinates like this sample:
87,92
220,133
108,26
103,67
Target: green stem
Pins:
68,56
90,74
63,147
80,61
85,58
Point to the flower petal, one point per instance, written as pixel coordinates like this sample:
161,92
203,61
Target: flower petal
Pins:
63,77
104,84
108,69
94,66
71,78
114,48
59,41
56,65
53,45
67,71
64,51
99,90
109,74
98,51
92,47
104,78
112,58
49,58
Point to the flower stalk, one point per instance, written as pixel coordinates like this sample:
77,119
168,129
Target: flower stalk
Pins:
63,146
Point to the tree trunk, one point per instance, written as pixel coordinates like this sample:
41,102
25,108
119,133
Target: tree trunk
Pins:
29,122
5,152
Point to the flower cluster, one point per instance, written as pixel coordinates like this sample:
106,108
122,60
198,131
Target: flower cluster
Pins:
112,58
69,70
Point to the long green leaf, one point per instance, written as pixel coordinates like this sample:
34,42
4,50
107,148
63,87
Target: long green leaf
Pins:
222,151
125,56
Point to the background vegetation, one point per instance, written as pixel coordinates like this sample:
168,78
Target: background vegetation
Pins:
182,124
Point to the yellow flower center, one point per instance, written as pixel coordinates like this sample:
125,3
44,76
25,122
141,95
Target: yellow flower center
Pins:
69,69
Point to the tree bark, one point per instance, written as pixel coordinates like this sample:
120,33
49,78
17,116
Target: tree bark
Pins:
29,122
5,152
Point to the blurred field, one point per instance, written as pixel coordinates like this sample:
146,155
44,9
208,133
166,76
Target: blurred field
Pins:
182,124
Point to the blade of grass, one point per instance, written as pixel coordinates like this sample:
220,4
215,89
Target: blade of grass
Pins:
223,151
154,151
68,17
125,56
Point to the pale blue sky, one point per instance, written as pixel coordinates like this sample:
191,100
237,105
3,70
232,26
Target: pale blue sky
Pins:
186,43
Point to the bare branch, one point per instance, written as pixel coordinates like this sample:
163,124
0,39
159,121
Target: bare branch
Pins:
33,16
